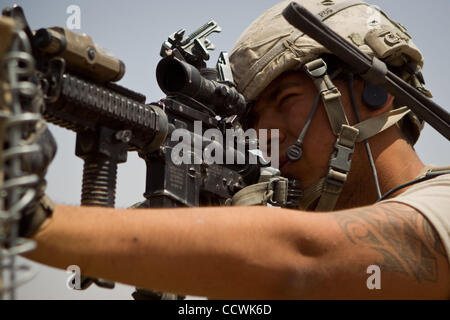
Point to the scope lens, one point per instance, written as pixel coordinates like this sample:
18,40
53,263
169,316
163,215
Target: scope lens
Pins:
171,76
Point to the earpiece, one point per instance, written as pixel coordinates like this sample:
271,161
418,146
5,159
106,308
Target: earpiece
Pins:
374,96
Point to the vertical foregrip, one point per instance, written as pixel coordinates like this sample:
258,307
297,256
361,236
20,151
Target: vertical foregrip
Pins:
99,182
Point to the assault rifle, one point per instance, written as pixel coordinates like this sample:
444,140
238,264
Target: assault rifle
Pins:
76,84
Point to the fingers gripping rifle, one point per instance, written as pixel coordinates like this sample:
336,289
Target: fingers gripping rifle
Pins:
77,83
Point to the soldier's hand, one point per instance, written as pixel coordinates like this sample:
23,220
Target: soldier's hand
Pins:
40,208
38,162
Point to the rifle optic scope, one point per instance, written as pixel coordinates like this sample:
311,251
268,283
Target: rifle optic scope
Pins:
178,77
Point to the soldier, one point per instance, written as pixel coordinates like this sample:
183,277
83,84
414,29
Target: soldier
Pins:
324,249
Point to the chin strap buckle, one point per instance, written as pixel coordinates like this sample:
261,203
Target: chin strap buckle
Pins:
341,161
339,168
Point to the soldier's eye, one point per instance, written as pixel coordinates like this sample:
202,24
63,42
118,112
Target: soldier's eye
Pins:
286,99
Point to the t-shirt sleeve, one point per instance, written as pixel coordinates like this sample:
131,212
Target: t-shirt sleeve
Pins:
431,199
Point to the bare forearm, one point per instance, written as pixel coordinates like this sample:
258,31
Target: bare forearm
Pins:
218,252
253,252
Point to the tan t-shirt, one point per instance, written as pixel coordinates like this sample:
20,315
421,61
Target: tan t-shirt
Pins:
432,199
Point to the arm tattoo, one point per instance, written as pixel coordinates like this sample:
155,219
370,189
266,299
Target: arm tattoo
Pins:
433,239
406,241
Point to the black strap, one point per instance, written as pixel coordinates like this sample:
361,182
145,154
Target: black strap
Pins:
429,176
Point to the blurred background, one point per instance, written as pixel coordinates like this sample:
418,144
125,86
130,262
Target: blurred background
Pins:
134,31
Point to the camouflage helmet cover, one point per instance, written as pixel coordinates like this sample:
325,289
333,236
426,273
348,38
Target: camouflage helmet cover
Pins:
270,46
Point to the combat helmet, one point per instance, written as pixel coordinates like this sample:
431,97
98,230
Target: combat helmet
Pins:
271,46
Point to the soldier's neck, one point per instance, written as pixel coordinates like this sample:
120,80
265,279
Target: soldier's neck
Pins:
396,163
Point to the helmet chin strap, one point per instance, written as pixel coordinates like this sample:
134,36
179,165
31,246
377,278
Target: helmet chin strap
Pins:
295,152
324,193
327,190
